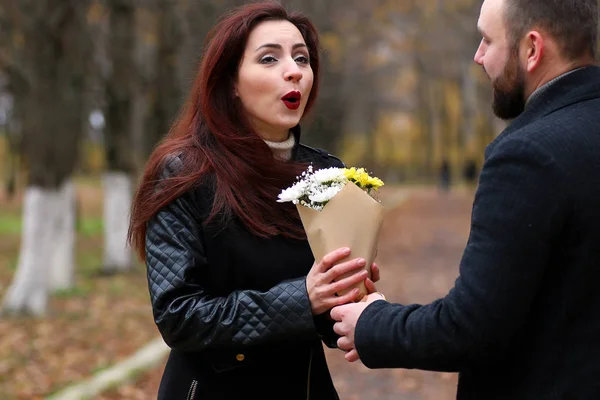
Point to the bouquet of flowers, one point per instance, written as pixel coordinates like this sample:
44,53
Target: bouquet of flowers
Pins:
338,207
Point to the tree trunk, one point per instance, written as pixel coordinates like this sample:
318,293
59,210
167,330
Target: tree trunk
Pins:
52,123
47,243
117,198
166,94
62,272
118,135
28,292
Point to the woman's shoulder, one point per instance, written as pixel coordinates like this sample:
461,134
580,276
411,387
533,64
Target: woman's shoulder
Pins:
318,156
173,166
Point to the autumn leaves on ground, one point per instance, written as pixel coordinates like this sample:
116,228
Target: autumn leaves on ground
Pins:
104,319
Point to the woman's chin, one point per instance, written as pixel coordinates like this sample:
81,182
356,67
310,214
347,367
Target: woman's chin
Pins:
289,123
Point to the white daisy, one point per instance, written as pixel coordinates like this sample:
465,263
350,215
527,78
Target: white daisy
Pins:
293,193
327,175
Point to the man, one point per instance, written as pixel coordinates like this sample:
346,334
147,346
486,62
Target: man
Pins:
523,320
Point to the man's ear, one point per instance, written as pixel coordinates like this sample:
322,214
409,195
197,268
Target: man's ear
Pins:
533,47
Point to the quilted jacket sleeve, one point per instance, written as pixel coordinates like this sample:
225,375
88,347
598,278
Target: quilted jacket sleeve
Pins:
192,320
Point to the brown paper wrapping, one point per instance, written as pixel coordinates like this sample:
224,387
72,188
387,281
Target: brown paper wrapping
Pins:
352,218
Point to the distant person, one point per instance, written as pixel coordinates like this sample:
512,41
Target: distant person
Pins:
234,287
522,321
470,172
445,175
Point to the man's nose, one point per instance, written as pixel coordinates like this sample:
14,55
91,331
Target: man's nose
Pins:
478,58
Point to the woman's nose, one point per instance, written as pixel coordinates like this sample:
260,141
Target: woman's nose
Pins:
293,73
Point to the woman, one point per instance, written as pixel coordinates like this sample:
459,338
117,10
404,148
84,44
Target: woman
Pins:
229,269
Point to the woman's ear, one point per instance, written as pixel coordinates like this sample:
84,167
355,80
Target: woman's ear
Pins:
234,89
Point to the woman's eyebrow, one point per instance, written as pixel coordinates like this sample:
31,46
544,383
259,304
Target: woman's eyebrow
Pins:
278,46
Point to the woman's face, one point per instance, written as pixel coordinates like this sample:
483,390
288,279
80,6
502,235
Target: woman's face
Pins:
274,78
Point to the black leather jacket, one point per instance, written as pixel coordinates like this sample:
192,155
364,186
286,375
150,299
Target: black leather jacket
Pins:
234,307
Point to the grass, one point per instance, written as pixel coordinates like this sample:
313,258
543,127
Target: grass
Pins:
76,291
11,224
90,226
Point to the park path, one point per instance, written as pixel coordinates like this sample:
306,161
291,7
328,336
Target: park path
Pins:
422,241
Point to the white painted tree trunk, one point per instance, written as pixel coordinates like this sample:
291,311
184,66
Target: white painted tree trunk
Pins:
117,204
62,262
28,293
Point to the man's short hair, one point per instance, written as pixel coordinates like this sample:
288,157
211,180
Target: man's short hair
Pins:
572,23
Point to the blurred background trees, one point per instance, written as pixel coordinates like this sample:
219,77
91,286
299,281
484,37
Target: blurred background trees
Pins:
88,88
399,90
45,57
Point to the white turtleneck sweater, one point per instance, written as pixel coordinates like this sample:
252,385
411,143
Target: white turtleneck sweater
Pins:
282,150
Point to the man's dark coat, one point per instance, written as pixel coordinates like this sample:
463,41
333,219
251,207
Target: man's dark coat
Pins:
523,320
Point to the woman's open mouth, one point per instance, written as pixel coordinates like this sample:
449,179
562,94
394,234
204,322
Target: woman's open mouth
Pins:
292,100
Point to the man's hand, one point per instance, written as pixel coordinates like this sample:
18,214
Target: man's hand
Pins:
346,317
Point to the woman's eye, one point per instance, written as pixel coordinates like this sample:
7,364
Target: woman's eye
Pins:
301,59
267,60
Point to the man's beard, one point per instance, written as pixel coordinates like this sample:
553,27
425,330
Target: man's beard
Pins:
509,90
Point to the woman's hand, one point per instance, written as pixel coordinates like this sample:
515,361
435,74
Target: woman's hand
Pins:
322,284
370,282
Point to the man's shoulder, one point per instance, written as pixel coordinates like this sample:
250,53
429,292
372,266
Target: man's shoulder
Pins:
319,156
569,128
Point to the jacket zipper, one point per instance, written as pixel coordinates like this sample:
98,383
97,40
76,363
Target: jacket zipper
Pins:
308,378
192,392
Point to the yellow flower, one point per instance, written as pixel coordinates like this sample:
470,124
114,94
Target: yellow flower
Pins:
362,179
350,173
375,183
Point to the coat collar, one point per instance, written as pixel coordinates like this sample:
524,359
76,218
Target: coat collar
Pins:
580,85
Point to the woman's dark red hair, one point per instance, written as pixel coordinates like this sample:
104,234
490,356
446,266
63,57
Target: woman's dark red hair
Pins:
212,136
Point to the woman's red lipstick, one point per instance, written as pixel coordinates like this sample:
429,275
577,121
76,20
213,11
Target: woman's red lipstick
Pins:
292,99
